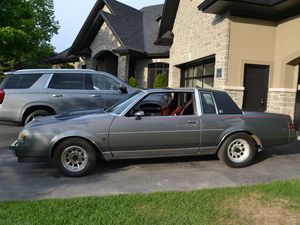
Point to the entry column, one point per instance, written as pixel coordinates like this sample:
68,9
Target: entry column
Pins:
123,67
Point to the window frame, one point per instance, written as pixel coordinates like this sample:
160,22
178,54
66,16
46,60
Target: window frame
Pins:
202,105
193,66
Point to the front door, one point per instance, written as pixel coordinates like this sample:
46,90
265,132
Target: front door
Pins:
297,108
157,133
256,81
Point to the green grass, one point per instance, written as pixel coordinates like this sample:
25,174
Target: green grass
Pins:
182,208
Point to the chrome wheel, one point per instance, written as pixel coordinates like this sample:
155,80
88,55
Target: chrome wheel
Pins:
239,150
74,158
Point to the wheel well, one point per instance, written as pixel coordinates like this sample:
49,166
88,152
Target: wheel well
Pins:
97,150
256,139
35,108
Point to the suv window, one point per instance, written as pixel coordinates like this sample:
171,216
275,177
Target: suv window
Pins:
208,104
101,82
68,81
19,81
225,104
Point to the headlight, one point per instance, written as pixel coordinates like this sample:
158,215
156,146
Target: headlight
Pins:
23,135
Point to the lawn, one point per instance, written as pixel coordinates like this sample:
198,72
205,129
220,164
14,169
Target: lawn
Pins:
275,203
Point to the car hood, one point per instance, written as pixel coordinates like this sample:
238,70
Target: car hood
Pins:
79,115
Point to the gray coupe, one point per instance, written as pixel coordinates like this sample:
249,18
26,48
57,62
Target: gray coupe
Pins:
153,123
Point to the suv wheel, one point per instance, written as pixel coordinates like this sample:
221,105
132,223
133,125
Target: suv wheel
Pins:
75,157
238,150
36,113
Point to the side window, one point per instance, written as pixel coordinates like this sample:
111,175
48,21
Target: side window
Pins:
225,104
67,81
208,104
102,82
166,104
19,81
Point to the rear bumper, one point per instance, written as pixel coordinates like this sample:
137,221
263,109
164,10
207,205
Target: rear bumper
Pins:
293,137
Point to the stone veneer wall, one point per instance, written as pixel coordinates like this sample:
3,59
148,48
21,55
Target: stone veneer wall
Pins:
282,101
237,95
279,100
105,40
141,70
197,35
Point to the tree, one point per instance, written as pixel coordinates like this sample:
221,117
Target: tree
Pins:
26,28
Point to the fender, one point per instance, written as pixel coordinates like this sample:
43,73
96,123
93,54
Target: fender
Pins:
36,103
80,134
230,132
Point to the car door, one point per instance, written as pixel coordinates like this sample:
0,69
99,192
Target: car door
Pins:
105,91
68,92
154,136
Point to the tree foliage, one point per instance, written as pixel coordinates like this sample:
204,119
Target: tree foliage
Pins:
132,82
26,28
160,81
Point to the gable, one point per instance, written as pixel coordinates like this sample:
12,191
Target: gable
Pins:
104,40
106,9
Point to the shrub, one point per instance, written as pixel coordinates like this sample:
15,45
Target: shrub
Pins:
132,82
160,81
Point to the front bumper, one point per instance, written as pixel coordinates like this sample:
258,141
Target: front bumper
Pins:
25,153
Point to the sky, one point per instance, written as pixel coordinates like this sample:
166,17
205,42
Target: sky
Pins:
71,15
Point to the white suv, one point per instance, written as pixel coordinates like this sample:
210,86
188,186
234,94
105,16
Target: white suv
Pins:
26,94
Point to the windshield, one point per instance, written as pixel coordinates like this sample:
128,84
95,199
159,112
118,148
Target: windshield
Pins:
123,104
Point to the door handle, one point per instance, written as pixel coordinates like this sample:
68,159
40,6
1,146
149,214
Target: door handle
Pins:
57,96
192,122
96,96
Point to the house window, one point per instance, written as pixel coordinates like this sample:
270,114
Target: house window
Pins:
200,75
154,69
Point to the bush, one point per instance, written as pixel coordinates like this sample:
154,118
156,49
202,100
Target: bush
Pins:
160,81
132,82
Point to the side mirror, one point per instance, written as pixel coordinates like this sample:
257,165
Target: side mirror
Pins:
123,89
138,115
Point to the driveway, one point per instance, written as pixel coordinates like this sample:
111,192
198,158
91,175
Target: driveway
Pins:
37,181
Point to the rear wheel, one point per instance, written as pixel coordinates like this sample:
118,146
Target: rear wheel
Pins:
75,157
238,150
35,114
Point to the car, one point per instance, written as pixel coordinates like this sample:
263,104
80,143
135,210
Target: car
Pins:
150,124
26,94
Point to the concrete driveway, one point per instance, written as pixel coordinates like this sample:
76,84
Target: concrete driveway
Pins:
37,181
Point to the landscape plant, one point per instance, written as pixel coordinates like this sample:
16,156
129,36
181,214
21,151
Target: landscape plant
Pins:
160,81
132,82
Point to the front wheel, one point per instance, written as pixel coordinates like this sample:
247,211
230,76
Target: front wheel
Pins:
238,150
75,157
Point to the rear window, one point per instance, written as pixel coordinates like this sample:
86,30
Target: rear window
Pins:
225,104
19,81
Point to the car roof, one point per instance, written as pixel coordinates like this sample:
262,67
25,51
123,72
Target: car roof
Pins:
30,71
181,90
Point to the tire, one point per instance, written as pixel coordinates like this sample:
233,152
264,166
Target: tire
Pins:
36,113
75,157
238,150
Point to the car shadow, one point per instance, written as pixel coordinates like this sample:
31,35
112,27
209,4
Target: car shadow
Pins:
291,149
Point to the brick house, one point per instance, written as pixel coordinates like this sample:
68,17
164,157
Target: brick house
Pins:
119,39
250,48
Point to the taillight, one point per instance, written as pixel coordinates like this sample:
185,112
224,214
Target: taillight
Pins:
2,94
292,126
